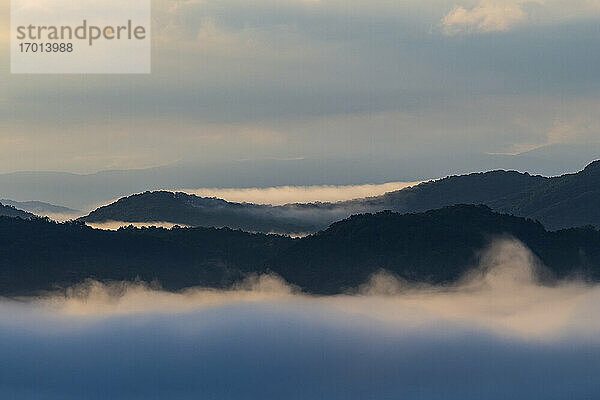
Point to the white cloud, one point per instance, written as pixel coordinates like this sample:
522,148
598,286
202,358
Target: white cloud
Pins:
502,15
487,16
581,129
569,127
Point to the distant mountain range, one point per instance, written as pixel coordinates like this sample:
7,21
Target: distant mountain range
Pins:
86,191
437,246
39,207
559,202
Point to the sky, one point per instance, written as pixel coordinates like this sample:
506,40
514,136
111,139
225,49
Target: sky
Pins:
320,79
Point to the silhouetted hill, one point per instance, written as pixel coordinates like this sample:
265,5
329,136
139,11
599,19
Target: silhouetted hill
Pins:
559,202
191,210
476,188
564,201
436,247
10,211
39,207
40,254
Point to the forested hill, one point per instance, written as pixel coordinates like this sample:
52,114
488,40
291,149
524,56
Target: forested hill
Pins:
436,247
191,210
40,254
10,211
477,188
559,202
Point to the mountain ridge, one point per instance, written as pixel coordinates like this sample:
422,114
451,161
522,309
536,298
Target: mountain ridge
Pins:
84,191
436,247
564,201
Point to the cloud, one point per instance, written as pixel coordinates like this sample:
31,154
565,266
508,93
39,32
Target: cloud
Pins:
218,64
487,16
575,128
503,295
502,15
579,129
281,195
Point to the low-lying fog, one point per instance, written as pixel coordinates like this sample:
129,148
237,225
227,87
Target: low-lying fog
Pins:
276,196
280,195
498,334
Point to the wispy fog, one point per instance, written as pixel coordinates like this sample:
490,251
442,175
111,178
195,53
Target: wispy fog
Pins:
497,334
289,202
281,195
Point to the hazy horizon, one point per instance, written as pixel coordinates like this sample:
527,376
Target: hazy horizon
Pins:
246,179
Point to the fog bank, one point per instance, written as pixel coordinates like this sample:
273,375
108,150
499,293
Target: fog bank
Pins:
281,195
497,334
